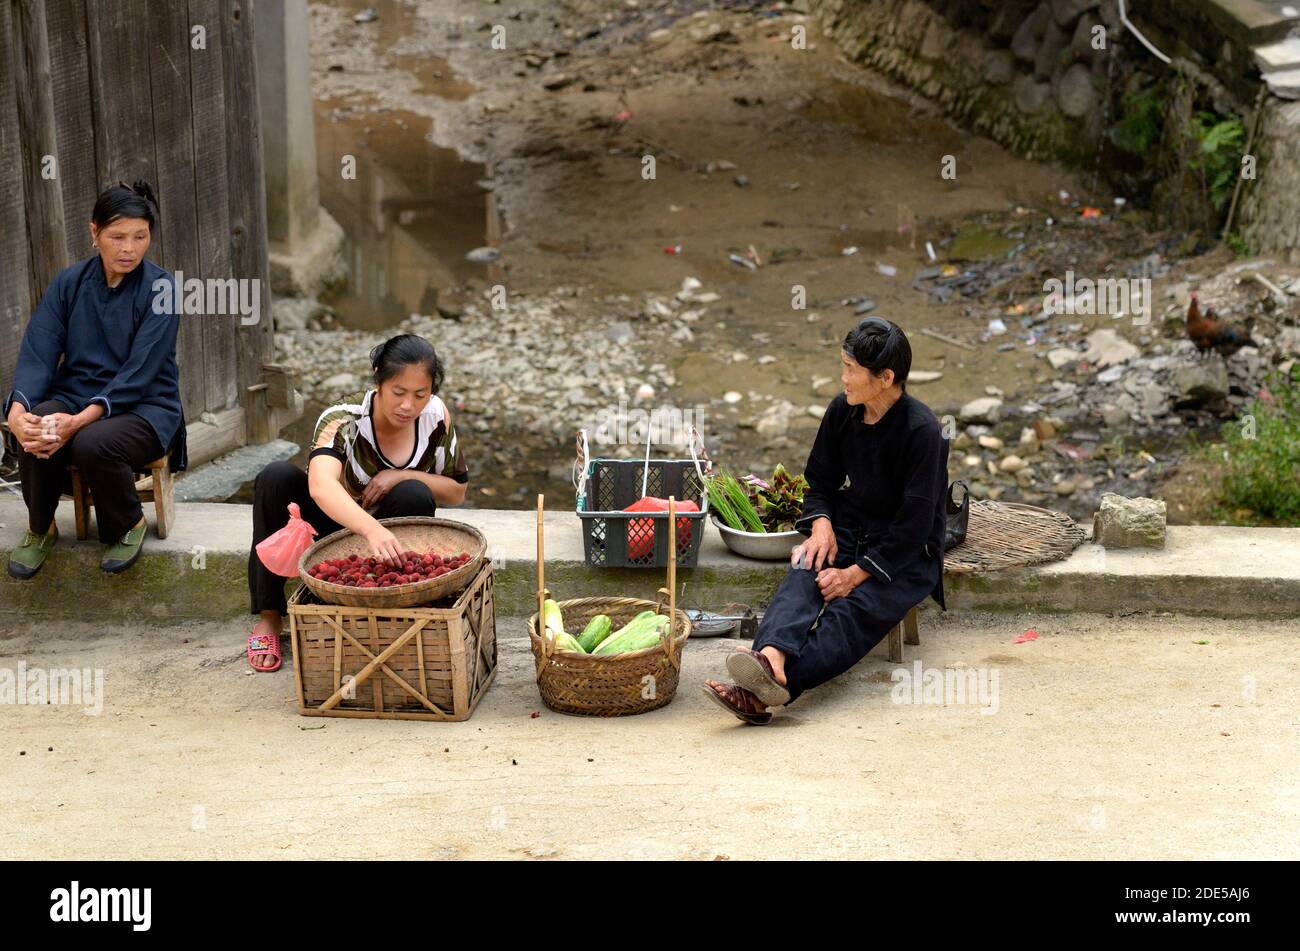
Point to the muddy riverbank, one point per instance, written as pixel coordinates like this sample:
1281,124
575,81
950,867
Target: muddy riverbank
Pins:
610,155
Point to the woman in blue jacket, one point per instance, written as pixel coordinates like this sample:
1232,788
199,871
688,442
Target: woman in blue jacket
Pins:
96,384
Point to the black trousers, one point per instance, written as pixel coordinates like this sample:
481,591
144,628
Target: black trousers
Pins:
821,639
108,453
281,483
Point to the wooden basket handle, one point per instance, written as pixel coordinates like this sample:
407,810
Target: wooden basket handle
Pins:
548,646
667,636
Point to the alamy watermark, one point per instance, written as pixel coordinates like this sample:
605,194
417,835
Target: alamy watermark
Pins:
1116,296
209,297
946,686
665,426
57,686
75,903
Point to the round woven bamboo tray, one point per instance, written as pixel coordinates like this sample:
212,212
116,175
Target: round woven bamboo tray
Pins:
1011,535
614,685
414,533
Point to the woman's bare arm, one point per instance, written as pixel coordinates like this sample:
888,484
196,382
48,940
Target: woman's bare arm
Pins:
324,482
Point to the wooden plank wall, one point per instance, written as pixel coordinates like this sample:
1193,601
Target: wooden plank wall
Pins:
127,95
46,247
248,249
15,288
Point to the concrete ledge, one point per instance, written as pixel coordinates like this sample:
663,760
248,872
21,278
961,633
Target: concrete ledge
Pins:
200,571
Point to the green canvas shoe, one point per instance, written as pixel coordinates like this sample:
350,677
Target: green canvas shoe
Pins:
27,558
122,556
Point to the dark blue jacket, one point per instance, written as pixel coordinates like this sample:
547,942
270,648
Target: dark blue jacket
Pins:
116,350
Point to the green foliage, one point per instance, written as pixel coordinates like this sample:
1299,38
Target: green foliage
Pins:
728,498
1263,472
1141,121
1237,244
1186,153
1218,159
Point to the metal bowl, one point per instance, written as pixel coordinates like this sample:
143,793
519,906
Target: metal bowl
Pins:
764,546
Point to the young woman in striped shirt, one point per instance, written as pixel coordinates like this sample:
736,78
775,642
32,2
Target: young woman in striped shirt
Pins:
387,453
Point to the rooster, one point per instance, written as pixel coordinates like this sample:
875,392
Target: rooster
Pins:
1206,332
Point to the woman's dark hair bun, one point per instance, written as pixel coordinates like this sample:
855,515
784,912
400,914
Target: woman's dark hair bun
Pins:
145,191
126,201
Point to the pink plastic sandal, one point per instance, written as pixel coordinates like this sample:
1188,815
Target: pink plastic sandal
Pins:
260,645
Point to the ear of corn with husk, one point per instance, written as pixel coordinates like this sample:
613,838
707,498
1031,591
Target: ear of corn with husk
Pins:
638,634
554,622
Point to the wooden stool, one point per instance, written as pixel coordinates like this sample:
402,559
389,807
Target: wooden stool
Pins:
156,487
897,636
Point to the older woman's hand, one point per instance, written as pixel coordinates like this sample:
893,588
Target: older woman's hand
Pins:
840,582
25,426
31,434
56,429
63,425
820,549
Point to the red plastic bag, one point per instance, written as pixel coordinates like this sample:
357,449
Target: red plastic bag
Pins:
641,531
281,551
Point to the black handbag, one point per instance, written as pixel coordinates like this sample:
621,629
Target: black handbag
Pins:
956,516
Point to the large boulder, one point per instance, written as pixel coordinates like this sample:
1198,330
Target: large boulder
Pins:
1008,17
1129,523
1081,44
1066,11
1076,95
999,67
1200,380
1031,95
1027,36
1048,61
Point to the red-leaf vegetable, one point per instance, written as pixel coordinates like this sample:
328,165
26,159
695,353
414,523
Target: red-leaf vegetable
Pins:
779,502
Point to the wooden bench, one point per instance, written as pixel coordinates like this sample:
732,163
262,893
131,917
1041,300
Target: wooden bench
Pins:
156,486
906,630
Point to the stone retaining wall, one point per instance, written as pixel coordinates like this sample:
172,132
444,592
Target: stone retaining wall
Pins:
1270,207
1021,74
1026,74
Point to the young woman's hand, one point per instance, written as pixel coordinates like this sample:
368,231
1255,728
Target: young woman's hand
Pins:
378,486
820,549
839,582
384,545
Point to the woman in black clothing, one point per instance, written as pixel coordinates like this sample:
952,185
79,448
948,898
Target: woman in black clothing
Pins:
874,516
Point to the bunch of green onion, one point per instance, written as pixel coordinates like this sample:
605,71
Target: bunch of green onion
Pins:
729,499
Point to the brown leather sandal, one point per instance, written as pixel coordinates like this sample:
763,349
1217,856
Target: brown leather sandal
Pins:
739,702
753,671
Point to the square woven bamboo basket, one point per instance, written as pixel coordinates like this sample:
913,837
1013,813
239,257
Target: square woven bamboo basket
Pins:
421,663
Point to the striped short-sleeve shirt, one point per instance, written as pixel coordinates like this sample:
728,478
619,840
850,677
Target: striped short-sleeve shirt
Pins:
346,431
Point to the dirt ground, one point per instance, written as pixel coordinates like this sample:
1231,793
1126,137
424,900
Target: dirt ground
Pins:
833,157
792,157
1142,737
